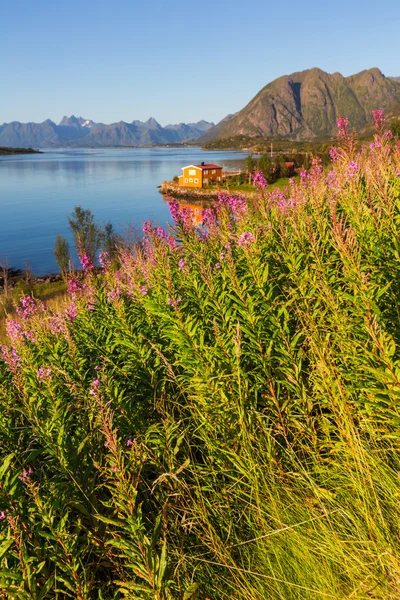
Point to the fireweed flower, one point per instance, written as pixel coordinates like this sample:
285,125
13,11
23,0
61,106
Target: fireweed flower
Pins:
71,312
74,287
25,474
28,307
259,180
95,387
14,331
246,239
351,170
104,259
342,125
113,295
44,374
129,442
143,290
173,302
2,515
181,263
10,358
217,266
334,154
379,119
86,262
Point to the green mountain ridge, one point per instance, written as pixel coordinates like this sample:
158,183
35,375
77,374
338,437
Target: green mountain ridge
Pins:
304,106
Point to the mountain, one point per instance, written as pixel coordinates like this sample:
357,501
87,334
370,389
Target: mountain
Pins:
305,105
76,131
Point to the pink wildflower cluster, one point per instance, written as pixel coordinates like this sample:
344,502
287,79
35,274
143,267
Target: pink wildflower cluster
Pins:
237,204
94,390
259,180
11,358
173,302
44,374
71,312
342,125
2,515
113,295
334,154
28,307
104,260
351,170
246,239
379,119
86,262
74,287
25,474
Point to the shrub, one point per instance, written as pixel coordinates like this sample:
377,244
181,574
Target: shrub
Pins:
219,417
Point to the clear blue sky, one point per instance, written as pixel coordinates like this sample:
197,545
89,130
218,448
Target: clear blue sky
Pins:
174,60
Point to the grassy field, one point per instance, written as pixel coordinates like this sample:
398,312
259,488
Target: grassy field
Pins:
217,417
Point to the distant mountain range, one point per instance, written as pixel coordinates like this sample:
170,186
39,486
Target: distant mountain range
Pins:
305,106
75,131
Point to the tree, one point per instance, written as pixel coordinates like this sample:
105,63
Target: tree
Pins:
250,165
87,234
111,241
62,255
395,127
5,274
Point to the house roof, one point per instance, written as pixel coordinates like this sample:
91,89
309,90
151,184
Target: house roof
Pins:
210,166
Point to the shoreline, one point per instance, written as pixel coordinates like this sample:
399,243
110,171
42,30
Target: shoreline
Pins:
169,188
7,151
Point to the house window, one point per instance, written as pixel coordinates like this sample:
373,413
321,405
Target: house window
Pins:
191,180
213,171
219,178
186,180
192,171
206,182
196,181
206,172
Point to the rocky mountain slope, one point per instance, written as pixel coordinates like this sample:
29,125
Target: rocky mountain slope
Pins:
306,105
76,131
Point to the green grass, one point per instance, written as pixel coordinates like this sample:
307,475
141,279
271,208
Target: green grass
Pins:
219,417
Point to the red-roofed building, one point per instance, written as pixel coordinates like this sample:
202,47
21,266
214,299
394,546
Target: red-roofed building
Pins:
199,176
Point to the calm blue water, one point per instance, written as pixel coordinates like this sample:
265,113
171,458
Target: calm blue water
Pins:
38,192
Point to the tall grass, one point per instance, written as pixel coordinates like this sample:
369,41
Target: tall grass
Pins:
218,417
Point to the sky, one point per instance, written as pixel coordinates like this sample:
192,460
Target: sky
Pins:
175,60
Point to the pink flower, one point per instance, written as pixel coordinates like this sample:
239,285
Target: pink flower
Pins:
259,180
143,289
44,374
86,262
104,259
246,239
342,125
379,119
181,263
129,442
2,515
334,154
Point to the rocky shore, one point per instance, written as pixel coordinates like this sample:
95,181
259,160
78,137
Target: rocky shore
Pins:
169,188
4,151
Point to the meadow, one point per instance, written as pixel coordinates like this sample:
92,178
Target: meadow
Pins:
216,414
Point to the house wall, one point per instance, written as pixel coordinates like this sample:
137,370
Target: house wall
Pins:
187,176
210,176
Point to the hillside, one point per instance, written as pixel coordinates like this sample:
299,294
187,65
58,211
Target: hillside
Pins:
305,106
75,131
215,413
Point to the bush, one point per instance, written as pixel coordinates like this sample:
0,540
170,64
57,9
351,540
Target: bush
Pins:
219,417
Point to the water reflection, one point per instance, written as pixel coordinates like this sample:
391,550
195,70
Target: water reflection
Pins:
39,191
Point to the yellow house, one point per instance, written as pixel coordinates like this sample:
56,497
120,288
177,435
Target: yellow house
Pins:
199,176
